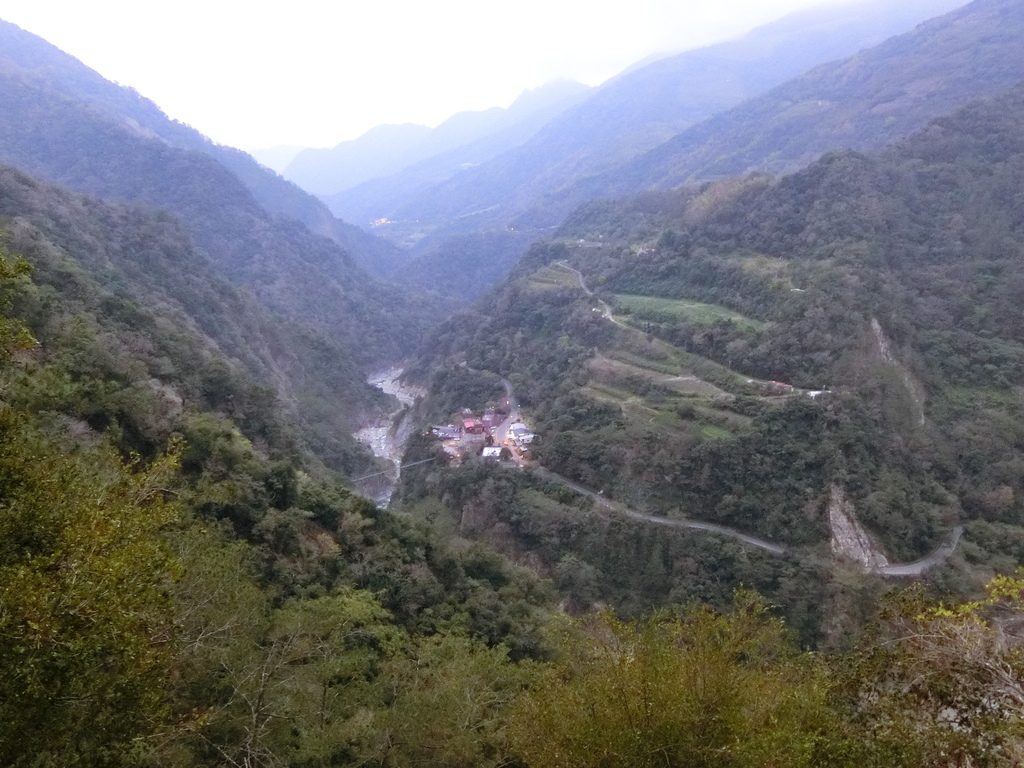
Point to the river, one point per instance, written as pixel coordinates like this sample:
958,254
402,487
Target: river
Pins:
387,436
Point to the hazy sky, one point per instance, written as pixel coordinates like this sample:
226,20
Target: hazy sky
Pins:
314,73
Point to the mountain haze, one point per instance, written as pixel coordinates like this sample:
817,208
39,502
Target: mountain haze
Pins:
28,57
862,102
276,158
387,149
642,108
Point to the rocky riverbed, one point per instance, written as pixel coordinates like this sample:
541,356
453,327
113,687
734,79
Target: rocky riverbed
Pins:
387,436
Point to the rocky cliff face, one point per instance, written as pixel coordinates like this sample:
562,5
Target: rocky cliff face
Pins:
850,540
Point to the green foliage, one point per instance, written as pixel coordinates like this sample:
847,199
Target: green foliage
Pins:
275,649
464,266
449,701
13,335
890,280
457,387
938,684
85,623
320,681
668,310
704,689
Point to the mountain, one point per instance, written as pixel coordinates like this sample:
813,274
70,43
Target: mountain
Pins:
368,201
380,151
463,267
182,585
178,332
641,109
276,158
335,320
861,102
28,57
163,518
387,149
775,356
779,384
296,272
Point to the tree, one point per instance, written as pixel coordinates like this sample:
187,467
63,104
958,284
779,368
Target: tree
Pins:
942,685
85,617
704,689
449,700
14,272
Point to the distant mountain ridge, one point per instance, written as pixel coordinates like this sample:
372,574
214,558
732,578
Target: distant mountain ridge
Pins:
332,320
862,102
276,158
638,110
387,149
39,62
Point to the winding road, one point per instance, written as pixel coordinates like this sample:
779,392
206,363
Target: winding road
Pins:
619,509
893,569
920,566
916,568
606,310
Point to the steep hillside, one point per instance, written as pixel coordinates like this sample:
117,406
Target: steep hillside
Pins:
166,531
387,149
862,102
641,109
182,586
177,319
758,353
463,267
297,273
28,57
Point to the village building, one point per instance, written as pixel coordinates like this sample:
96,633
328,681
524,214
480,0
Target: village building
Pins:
491,419
521,434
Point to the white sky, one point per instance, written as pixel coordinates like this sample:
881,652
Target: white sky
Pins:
317,72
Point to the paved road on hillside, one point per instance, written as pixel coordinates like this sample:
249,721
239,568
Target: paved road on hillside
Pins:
501,432
619,509
917,568
606,310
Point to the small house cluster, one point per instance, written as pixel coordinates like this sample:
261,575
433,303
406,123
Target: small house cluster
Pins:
497,434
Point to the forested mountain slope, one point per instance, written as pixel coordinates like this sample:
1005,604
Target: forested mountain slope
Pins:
759,353
184,584
640,109
144,258
297,273
862,102
28,57
171,545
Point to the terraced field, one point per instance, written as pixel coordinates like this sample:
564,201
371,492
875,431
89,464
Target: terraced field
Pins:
553,276
676,310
